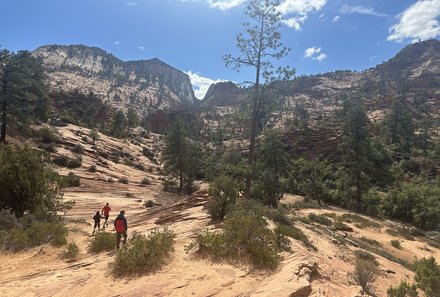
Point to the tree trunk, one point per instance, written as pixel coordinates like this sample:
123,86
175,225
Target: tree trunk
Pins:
3,128
255,111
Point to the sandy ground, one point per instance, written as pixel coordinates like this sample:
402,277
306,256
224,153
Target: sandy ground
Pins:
326,272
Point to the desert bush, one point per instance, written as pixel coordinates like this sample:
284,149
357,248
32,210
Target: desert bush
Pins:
94,135
28,184
279,215
149,203
361,255
7,220
416,203
74,163
72,180
338,224
140,166
307,203
170,186
144,254
370,241
123,180
36,234
71,252
78,148
396,243
92,168
320,219
61,160
428,277
361,222
375,247
223,192
365,274
48,135
102,242
48,147
244,237
403,290
294,233
145,181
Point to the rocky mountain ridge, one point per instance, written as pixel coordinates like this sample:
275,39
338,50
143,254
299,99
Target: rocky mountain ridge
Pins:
413,73
147,85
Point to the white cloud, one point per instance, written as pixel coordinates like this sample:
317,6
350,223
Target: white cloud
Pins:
131,3
373,58
116,42
300,9
311,51
141,47
201,84
295,22
320,57
348,9
336,18
225,4
419,21
314,53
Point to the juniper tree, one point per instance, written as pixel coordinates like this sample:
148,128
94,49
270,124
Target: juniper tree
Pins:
23,94
259,46
356,150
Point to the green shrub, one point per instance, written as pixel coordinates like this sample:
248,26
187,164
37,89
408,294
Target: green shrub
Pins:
48,135
102,242
72,180
78,148
92,168
361,255
244,237
339,225
361,222
71,252
320,219
403,290
223,192
170,186
416,203
149,203
279,215
140,166
29,184
375,248
145,181
428,276
74,163
7,220
307,203
61,160
365,274
36,234
370,241
396,243
48,147
123,180
144,254
294,233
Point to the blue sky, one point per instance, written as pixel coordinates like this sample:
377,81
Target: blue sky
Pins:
192,35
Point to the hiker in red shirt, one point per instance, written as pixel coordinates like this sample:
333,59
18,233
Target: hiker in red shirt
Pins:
106,213
121,228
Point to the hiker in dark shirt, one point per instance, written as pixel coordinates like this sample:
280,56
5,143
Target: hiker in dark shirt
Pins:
97,219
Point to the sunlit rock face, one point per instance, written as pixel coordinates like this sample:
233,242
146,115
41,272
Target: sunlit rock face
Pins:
147,85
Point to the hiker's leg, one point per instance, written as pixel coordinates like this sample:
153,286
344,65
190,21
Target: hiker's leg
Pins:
118,239
125,237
